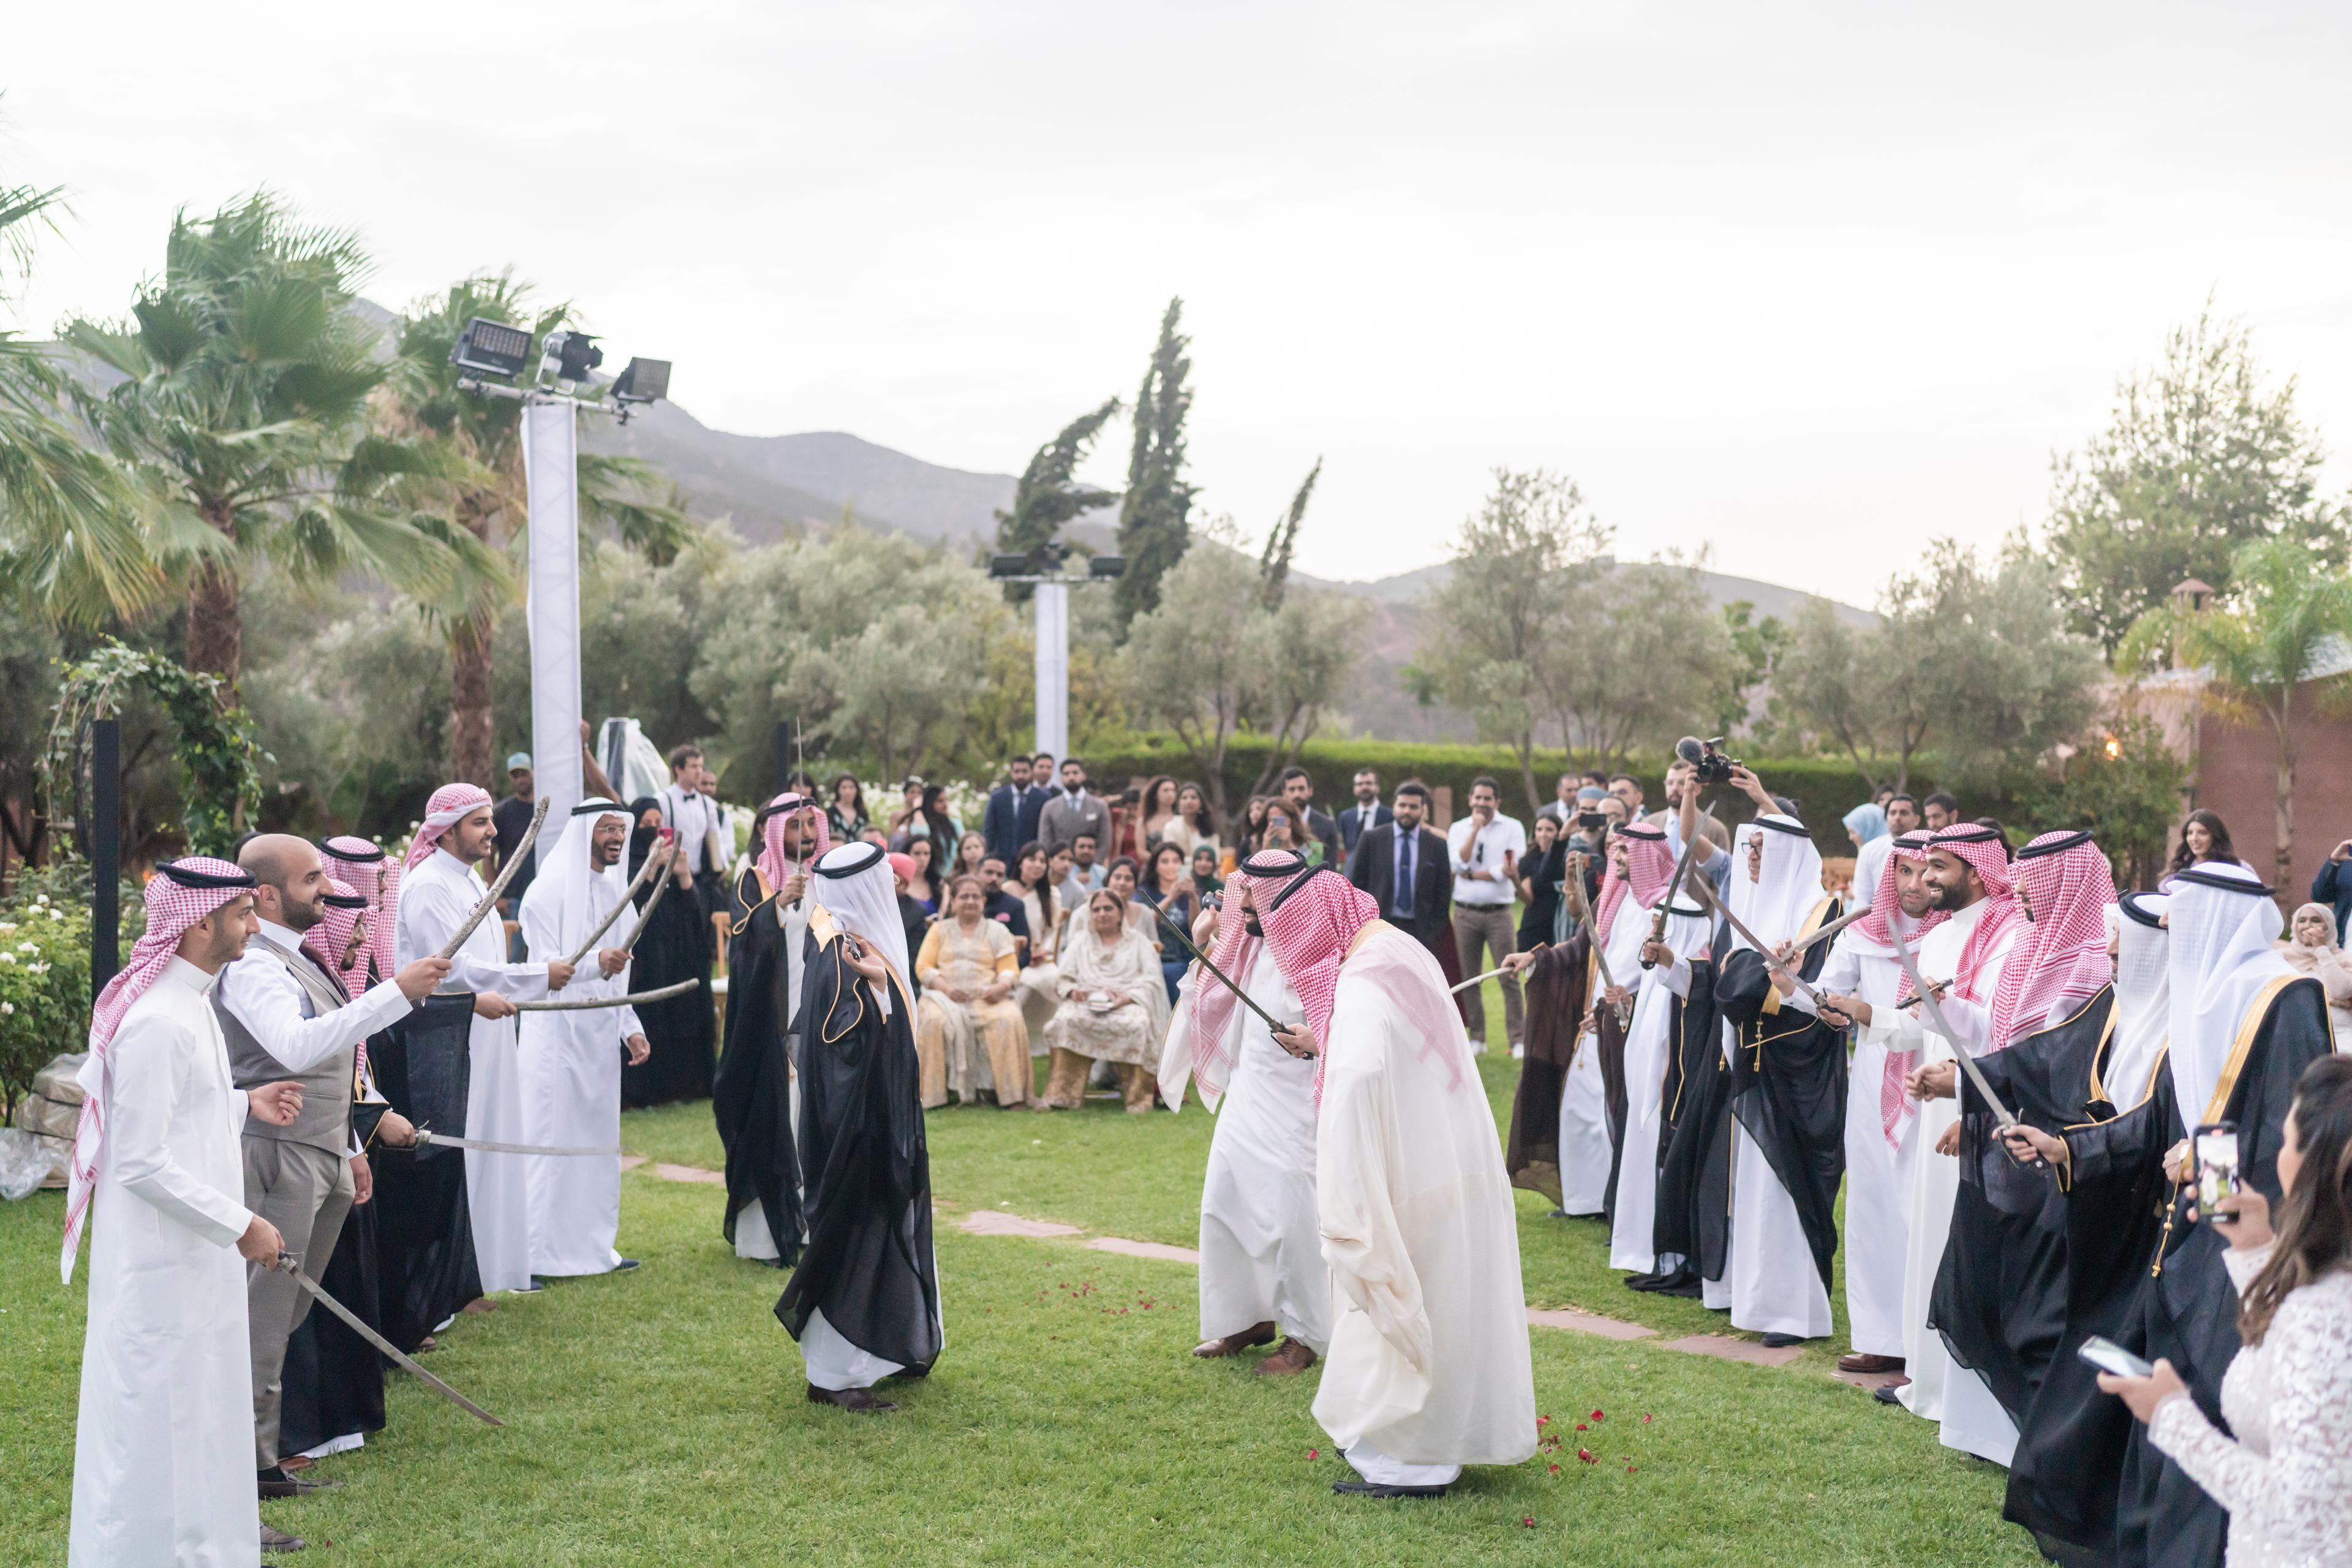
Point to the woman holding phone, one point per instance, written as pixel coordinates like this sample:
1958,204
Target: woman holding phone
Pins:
2286,1476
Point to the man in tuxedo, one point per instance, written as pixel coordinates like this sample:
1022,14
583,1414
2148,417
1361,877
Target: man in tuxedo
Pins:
1298,794
1405,866
1031,801
1367,813
1001,826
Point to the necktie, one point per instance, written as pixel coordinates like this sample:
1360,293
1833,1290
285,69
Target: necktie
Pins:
1404,873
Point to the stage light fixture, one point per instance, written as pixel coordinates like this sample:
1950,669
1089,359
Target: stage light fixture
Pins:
1008,565
492,348
569,356
643,381
1106,566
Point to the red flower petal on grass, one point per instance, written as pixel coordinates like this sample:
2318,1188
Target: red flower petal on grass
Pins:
1647,1419
1555,1469
1585,1454
1584,1427
1314,1453
1629,1470
1596,1415
1529,1522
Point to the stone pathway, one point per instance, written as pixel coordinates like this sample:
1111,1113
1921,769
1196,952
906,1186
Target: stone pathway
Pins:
998,1222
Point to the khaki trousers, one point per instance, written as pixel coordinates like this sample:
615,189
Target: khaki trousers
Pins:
1065,1085
1482,926
305,1193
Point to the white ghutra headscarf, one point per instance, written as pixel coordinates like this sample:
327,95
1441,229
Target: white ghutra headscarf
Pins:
569,893
853,887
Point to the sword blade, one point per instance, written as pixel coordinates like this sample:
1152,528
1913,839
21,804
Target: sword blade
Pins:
1674,886
1757,942
1185,942
557,1005
1831,930
380,1342
615,912
2001,1113
1457,990
490,899
647,915
484,1146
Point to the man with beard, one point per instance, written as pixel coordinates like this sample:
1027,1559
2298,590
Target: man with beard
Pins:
1860,984
1262,1269
1633,1238
1970,882
751,1097
1428,1369
864,1300
286,1017
570,1062
438,889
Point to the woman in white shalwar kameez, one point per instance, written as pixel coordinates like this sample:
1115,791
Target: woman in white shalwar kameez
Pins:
569,1063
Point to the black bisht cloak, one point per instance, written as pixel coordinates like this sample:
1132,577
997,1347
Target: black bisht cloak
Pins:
425,1268
332,1382
682,1030
750,1096
869,1263
1694,1195
1787,1084
2000,1294
2182,1306
1554,982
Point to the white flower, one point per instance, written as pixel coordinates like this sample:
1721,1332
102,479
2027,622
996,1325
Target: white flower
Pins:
40,898
7,1008
7,925
6,957
56,914
28,947
36,968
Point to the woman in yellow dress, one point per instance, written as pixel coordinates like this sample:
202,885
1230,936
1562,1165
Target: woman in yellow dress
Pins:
969,1033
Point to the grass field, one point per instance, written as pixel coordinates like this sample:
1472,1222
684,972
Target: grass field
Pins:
659,1416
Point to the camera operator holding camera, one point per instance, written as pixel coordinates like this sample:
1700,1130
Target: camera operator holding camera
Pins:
1684,773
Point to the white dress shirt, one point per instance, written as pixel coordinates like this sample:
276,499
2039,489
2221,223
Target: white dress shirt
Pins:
1503,836
279,1016
697,819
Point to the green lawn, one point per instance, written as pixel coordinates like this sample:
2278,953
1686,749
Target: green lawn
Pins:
659,1416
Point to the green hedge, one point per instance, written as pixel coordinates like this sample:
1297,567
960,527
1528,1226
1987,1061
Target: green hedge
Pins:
45,969
1824,788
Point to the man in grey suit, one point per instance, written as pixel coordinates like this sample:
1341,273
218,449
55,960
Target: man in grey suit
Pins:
284,1017
1075,811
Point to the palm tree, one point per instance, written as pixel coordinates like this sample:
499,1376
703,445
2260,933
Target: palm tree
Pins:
243,410
2286,620
71,541
479,510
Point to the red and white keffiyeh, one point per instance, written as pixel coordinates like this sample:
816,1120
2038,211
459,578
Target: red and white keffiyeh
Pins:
1216,1011
450,804
1876,929
339,911
1986,853
2062,957
774,864
181,894
1649,867
372,874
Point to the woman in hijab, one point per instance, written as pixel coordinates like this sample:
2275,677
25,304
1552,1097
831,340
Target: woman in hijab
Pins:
2310,948
675,946
1114,1008
1866,825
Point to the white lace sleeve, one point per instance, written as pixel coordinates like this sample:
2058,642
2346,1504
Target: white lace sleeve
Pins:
2292,1499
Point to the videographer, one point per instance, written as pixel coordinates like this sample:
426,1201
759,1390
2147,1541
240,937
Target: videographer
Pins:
1715,862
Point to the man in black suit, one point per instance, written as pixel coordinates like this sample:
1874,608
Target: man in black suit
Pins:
1001,826
1031,801
1405,866
1298,794
1368,811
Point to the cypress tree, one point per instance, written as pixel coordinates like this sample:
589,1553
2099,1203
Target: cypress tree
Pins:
1274,566
1154,521
1047,495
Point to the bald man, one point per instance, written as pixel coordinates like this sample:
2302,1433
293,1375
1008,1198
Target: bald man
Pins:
284,1017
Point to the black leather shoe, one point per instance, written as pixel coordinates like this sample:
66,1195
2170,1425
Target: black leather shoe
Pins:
1783,1341
1887,1395
624,1265
276,1483
863,1402
1375,1489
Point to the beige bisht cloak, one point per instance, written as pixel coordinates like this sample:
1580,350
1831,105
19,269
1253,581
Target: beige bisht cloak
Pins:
1429,1352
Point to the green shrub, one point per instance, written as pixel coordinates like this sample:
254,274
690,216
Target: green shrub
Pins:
45,969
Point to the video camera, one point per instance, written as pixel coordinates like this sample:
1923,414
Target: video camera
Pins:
1706,760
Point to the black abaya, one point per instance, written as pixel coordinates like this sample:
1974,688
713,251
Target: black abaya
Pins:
425,1268
1693,1219
675,946
333,1383
751,1094
869,1264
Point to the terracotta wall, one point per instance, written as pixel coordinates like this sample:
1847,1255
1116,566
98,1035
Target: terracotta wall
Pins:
2237,773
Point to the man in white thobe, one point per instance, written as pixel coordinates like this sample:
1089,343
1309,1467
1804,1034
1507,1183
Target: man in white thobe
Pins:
438,889
1428,1369
1262,1269
570,1062
1633,1244
1881,1120
1967,878
165,1431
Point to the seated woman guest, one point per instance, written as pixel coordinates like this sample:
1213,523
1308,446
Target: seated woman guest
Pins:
969,1034
1195,824
2286,1476
1155,809
971,850
1169,889
922,883
1123,878
2310,948
1033,884
846,815
1114,1008
1205,879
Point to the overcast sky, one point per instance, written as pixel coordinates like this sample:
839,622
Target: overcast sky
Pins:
1806,284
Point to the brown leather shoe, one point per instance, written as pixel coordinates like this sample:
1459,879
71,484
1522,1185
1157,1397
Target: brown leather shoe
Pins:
1863,1361
481,1304
295,1464
1234,1344
1295,1356
865,1402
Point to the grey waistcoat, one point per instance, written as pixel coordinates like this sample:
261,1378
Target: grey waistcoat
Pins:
325,1119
